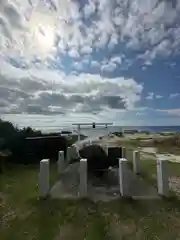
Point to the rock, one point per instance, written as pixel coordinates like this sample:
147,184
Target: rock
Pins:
98,161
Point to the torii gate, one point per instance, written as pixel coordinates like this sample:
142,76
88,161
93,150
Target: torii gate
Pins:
93,124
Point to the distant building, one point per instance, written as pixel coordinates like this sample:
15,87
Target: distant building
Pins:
66,133
130,131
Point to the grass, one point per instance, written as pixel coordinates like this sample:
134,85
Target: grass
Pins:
23,216
166,145
168,149
149,168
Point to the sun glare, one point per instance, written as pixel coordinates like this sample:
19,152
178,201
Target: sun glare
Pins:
45,37
43,32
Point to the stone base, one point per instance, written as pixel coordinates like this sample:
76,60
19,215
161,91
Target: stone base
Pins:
99,189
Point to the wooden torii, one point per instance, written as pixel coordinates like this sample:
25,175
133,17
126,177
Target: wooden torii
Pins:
93,124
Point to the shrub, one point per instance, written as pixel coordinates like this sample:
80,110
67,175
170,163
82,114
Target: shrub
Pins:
24,151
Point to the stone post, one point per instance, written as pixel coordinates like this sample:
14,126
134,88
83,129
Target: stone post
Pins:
105,147
162,177
74,152
83,178
123,152
44,178
123,178
60,162
129,154
68,155
136,162
79,133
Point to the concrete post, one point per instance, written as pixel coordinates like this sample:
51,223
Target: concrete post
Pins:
44,178
129,154
68,155
79,133
60,162
162,177
136,162
74,153
83,178
123,178
123,152
105,147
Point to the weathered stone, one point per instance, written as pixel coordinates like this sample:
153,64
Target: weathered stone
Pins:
123,178
61,162
162,177
136,162
83,178
44,178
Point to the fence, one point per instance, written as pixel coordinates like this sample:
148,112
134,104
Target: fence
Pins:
126,156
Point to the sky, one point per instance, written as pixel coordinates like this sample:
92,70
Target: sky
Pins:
69,61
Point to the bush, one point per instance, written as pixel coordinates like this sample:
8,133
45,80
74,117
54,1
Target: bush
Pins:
29,151
170,141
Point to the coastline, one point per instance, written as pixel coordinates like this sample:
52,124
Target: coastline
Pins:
145,143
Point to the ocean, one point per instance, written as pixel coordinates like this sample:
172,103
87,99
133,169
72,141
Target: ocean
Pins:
101,130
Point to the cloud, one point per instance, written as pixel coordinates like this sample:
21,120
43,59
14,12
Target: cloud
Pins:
173,64
53,122
78,65
110,64
159,96
95,64
89,9
47,28
113,41
48,47
40,92
116,59
174,95
152,96
86,50
73,53
108,67
171,112
162,49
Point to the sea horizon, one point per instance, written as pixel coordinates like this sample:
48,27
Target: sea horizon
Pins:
100,131
152,128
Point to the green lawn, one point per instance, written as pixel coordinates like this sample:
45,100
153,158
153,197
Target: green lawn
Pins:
149,169
23,216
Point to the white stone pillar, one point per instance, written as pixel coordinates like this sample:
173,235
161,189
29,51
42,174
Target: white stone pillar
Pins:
74,153
68,155
123,152
61,162
123,178
44,178
136,162
106,147
162,177
83,178
79,134
129,154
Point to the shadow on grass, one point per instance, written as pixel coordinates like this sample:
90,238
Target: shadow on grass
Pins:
51,215
94,220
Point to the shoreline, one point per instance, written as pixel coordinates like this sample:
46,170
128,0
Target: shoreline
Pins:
149,151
